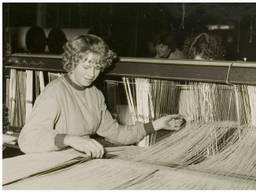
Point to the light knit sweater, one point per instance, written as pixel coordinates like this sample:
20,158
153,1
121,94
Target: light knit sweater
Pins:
62,108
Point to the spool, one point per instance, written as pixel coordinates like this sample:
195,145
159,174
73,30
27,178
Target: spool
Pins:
36,40
58,37
73,32
28,39
18,38
55,41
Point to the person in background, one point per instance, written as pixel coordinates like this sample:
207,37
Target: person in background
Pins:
204,46
166,47
71,109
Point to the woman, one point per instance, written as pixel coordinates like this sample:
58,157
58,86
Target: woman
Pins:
166,47
70,108
204,46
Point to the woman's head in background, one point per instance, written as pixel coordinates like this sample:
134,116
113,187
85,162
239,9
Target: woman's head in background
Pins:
165,44
204,46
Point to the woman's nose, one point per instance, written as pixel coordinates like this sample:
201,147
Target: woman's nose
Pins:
91,72
161,47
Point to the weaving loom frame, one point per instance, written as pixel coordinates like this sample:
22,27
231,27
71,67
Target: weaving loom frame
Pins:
203,71
234,72
225,72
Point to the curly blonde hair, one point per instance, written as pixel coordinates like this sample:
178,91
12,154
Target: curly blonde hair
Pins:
78,48
208,45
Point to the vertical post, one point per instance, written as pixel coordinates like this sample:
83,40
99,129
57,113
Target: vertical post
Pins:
57,22
29,93
41,14
238,36
6,52
136,32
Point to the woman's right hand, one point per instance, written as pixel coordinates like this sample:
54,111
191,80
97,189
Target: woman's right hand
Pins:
172,122
85,144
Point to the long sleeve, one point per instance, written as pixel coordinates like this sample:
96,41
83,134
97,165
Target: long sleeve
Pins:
38,134
116,133
61,109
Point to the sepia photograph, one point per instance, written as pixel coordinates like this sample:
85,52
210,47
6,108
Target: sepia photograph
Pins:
128,95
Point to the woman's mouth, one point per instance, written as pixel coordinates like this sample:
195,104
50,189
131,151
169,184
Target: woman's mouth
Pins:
88,79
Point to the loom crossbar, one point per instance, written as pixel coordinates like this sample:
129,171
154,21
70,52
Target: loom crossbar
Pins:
234,72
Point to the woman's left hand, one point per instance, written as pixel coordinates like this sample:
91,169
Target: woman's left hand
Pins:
169,122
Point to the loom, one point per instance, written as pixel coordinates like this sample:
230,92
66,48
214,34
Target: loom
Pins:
215,150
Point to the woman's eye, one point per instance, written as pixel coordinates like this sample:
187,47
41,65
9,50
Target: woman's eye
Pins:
86,67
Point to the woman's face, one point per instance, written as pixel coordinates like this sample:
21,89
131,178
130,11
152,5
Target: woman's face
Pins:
162,50
86,71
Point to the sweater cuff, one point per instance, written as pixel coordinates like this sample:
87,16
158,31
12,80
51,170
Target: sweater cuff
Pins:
149,128
59,140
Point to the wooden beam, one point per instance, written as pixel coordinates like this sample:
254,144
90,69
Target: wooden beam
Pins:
233,72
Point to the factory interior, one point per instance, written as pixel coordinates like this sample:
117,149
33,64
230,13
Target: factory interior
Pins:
171,104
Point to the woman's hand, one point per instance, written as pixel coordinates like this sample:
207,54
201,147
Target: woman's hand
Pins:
85,144
169,122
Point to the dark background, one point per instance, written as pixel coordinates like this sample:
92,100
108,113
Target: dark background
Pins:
128,27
